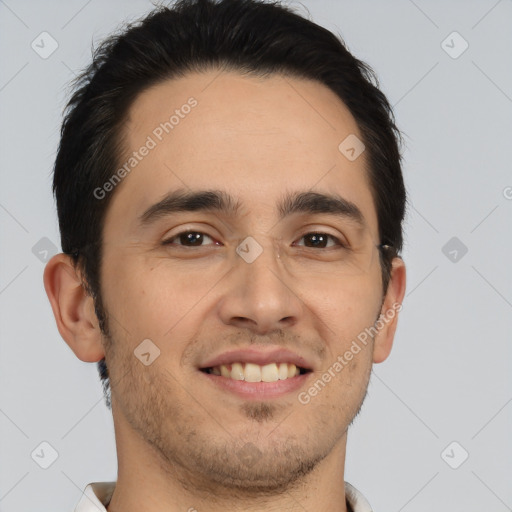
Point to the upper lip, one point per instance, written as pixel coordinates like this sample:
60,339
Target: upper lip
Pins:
260,357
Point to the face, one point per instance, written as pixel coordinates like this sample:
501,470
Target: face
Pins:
298,291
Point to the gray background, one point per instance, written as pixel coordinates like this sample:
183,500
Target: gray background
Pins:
448,377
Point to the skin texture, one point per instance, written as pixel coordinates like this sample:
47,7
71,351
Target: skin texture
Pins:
180,440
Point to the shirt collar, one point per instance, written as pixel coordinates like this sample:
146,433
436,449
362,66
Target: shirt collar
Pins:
355,500
97,496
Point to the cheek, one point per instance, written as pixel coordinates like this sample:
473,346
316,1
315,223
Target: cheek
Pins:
151,298
346,305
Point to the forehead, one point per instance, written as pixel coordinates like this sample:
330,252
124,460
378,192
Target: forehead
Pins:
250,136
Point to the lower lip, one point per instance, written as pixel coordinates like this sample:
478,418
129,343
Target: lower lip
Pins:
258,390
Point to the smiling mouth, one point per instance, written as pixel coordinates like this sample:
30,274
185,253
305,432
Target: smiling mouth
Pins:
251,372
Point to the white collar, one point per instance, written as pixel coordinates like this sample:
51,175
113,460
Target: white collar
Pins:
97,496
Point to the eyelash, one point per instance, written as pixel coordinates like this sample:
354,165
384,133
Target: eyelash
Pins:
169,241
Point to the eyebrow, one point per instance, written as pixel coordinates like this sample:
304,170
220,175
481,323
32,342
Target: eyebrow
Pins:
219,201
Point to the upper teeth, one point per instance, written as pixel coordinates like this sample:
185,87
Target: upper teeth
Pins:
255,373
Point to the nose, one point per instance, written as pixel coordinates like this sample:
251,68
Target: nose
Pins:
258,295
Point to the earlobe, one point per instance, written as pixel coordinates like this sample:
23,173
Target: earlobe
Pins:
389,313
73,309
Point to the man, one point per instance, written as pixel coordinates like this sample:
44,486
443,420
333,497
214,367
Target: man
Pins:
230,201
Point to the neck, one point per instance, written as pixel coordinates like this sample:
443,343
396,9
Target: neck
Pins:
148,481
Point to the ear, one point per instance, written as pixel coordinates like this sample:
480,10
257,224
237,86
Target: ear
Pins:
73,309
391,306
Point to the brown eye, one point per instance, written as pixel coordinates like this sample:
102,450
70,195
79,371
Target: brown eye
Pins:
187,239
319,240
